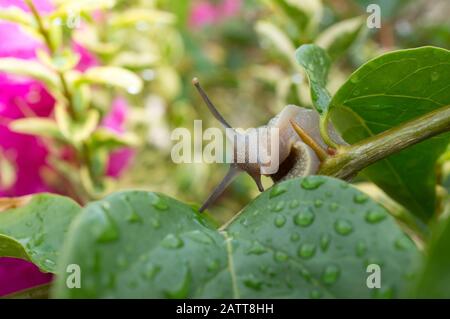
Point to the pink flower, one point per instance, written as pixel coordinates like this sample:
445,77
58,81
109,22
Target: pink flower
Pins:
17,274
205,12
115,121
21,97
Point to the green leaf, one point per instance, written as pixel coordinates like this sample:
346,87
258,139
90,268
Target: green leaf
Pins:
279,40
33,227
29,68
16,15
66,7
434,281
311,237
132,17
113,76
37,126
316,63
110,140
338,38
385,92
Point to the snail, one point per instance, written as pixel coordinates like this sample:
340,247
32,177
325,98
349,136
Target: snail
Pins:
300,150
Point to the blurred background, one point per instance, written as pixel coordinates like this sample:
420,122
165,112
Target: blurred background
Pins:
241,50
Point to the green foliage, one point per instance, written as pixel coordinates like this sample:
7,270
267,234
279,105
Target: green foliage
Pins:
113,76
435,278
317,64
33,228
339,37
31,69
310,237
385,92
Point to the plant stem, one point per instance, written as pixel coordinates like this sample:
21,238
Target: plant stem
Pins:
52,50
351,159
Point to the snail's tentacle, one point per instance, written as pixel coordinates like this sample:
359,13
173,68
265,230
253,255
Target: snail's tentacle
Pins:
229,177
209,104
308,140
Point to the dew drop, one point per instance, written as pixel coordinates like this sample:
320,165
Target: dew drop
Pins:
280,221
343,227
360,249
172,241
383,293
354,79
331,274
374,216
200,237
402,243
134,217
315,294
294,203
311,182
333,207
278,206
356,92
305,274
325,242
306,250
360,198
281,256
277,191
252,282
295,237
213,265
159,203
182,291
256,249
318,203
151,270
304,218
105,228
155,223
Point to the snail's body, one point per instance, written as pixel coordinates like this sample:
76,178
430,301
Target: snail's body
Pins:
300,147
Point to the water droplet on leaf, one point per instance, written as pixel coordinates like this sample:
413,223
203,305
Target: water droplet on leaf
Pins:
312,182
343,227
304,218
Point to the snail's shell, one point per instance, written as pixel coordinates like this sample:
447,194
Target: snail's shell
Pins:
289,140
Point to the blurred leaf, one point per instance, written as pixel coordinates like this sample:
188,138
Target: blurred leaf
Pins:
29,68
82,131
63,121
37,126
33,227
81,98
138,16
279,40
8,175
292,242
338,38
113,76
316,63
66,7
16,15
62,61
434,282
385,92
106,138
132,60
306,14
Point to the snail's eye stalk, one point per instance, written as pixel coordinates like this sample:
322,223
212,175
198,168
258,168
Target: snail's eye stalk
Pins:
209,104
232,173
